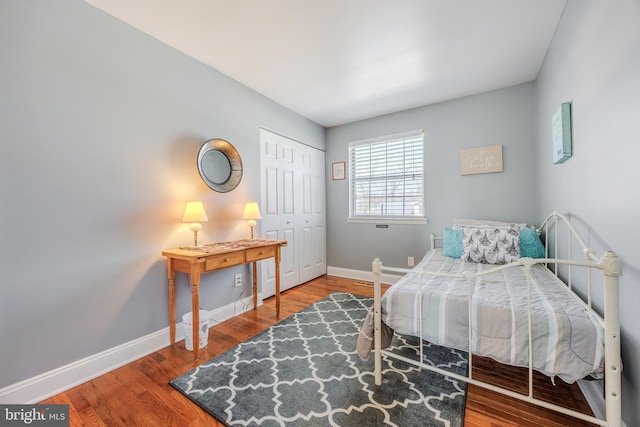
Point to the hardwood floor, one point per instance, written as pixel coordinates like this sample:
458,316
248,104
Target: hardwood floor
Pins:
138,394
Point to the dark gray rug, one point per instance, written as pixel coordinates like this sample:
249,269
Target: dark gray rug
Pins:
304,371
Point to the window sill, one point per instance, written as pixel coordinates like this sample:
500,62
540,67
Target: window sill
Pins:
386,220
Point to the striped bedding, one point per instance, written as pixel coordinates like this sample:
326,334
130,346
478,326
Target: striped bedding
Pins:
568,341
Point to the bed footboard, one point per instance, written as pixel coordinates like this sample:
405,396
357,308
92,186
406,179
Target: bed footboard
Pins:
377,319
612,269
377,269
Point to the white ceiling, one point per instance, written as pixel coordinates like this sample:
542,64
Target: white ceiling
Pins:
338,61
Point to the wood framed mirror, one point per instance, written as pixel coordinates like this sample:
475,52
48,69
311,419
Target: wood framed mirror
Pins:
219,165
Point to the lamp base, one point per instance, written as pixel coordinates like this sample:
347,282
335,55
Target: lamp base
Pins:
195,227
251,223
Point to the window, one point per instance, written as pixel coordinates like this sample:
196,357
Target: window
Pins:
387,178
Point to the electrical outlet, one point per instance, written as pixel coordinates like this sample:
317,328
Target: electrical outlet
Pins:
410,261
237,280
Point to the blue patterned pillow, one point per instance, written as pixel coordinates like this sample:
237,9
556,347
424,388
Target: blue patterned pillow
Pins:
452,246
530,244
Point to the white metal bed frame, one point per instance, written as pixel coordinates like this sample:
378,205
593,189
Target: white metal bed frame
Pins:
610,266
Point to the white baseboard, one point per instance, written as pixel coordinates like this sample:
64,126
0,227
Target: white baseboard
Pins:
365,276
43,386
592,391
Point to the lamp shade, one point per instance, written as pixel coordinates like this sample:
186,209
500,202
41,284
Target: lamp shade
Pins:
251,211
194,212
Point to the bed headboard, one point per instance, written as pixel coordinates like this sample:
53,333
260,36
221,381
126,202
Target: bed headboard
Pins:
560,239
556,222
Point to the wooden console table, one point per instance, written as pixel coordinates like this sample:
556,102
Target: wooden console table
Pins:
207,258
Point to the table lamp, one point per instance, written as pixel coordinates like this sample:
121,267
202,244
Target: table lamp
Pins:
251,212
195,214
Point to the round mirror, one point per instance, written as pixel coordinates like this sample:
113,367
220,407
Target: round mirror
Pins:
219,165
216,167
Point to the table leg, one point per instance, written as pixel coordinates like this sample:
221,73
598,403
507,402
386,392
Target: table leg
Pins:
171,274
277,261
255,285
194,278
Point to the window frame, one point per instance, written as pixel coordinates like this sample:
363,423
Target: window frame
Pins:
386,219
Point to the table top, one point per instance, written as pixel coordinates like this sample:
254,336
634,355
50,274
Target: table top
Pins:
221,247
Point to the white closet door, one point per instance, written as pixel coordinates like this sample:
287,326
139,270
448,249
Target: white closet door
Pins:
319,216
293,198
312,214
277,208
305,219
289,275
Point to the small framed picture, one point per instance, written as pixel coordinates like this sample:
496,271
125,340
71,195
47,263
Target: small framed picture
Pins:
337,170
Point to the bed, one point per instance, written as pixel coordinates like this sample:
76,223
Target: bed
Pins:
495,289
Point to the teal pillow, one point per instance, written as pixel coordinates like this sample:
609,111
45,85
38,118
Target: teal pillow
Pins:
530,244
452,243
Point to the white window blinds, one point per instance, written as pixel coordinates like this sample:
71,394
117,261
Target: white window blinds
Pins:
387,177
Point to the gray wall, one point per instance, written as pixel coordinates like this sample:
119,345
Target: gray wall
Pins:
503,116
100,126
594,61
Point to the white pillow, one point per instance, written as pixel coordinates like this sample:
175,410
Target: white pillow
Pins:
490,245
469,222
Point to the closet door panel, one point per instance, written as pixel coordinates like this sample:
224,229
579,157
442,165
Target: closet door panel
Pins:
271,190
319,255
306,255
288,268
288,193
307,195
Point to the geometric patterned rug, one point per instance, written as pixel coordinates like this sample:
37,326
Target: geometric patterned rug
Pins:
304,371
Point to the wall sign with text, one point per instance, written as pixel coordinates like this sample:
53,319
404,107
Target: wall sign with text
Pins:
481,160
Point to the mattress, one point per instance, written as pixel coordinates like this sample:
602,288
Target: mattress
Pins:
568,339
